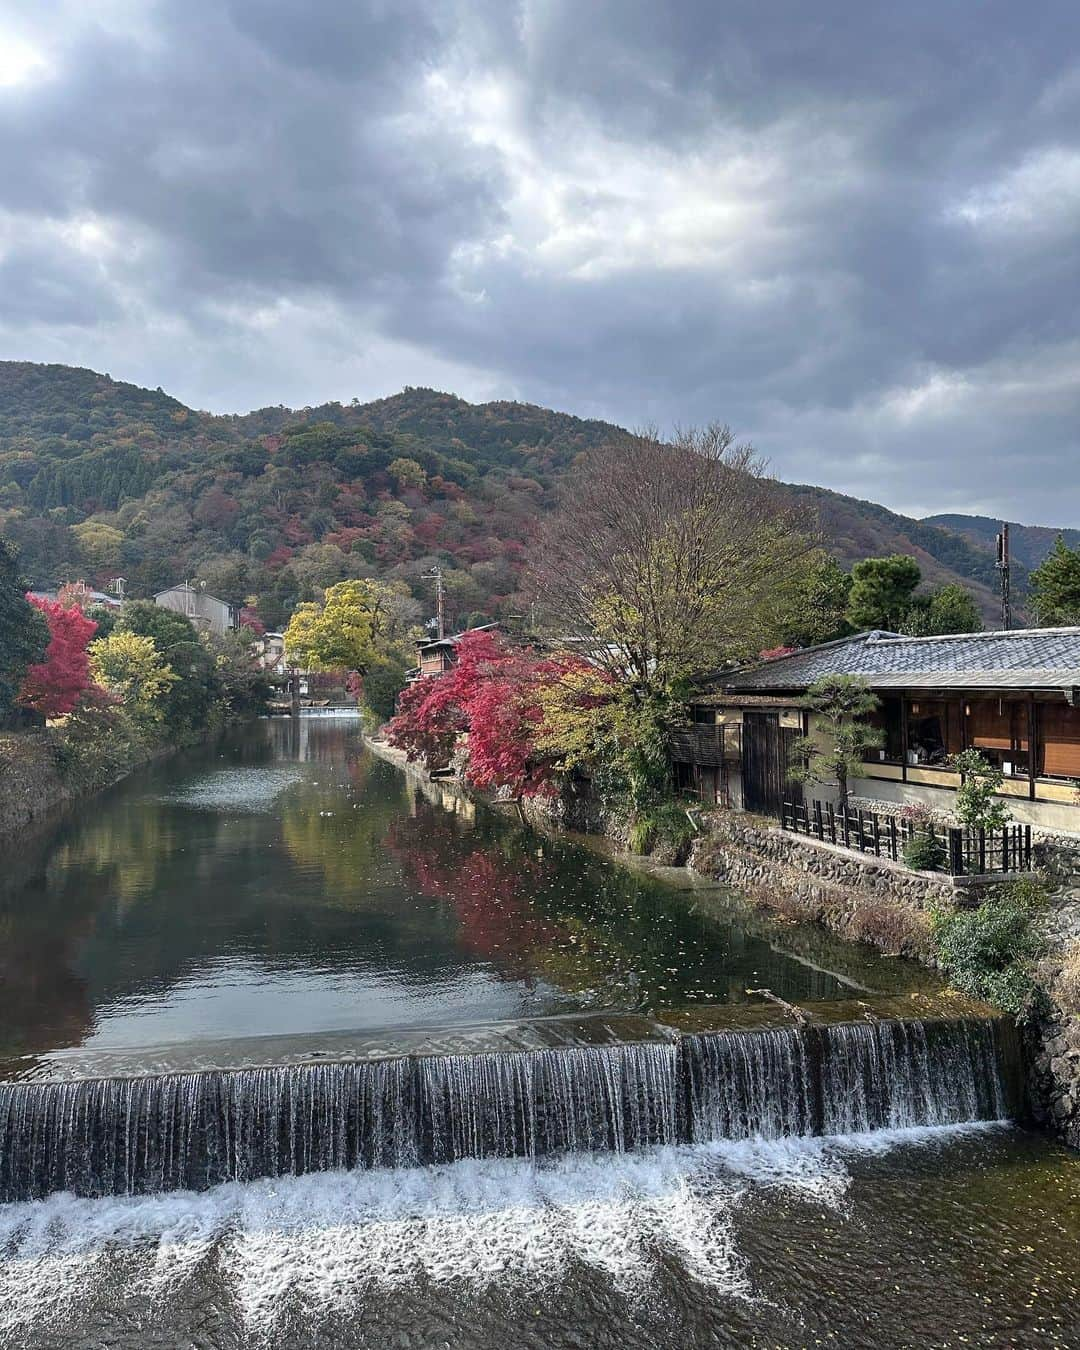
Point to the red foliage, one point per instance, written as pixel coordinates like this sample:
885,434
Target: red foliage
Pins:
53,686
491,693
249,618
774,653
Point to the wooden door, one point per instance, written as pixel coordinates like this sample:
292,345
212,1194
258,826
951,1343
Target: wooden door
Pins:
765,749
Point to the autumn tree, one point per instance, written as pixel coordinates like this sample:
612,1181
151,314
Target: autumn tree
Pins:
99,544
24,633
132,669
661,561
1054,587
616,735
493,694
840,736
188,702
54,685
362,626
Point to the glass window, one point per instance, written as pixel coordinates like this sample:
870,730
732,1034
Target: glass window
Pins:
934,731
888,719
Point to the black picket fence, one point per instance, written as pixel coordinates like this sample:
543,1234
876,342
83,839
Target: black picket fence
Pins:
967,852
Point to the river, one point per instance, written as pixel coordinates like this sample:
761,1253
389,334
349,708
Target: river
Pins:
287,896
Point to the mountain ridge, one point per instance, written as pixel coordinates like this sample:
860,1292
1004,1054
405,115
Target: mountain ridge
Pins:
99,475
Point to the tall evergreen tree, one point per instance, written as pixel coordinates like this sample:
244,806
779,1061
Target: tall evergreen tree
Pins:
882,590
1055,587
24,634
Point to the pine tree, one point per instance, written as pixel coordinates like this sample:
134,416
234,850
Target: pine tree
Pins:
1055,587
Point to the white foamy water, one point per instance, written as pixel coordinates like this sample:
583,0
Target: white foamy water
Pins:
322,1241
235,789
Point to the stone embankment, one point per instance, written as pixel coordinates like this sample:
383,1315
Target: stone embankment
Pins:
36,784
31,785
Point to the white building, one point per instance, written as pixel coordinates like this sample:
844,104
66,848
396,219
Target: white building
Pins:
206,612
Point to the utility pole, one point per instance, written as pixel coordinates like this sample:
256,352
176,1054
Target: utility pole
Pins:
1003,573
440,618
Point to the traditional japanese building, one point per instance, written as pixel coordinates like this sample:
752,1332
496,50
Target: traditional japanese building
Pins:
1014,696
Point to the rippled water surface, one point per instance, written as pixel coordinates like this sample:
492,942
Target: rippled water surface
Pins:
288,883
956,1237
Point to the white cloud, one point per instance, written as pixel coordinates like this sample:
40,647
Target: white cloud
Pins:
1042,194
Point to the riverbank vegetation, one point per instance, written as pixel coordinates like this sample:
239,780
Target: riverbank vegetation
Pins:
93,692
366,628
992,951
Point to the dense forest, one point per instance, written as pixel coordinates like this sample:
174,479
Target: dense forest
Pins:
100,479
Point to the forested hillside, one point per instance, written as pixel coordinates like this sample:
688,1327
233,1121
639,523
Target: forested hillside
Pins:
856,529
1028,544
99,478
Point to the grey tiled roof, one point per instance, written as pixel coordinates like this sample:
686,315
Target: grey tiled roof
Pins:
1031,658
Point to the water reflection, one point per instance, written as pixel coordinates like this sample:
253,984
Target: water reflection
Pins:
287,882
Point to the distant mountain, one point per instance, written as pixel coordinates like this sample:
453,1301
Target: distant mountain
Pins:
1028,544
857,529
99,477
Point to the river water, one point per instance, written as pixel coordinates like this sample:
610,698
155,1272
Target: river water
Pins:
287,890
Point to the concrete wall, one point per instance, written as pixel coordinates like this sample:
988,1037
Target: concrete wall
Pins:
1060,817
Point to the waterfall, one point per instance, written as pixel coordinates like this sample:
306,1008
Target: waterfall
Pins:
849,1078
190,1131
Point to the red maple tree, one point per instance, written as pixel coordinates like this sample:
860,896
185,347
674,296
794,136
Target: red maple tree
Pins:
53,687
492,694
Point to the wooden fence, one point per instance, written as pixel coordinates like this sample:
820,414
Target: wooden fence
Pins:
967,852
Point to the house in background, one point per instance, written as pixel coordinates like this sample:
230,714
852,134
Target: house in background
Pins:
269,653
206,612
87,597
435,656
1014,696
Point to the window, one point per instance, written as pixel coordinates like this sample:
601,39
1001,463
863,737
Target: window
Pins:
934,731
888,719
998,728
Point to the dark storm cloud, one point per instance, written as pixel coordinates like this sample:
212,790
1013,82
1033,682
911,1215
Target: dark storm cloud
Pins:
850,230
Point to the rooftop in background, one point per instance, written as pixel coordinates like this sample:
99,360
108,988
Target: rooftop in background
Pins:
453,639
1028,658
92,597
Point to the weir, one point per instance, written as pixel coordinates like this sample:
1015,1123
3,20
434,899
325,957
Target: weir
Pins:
158,1132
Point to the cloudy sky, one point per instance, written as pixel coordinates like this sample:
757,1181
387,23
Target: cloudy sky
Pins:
849,228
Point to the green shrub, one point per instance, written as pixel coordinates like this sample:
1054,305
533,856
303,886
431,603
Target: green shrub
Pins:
664,829
990,951
977,806
925,852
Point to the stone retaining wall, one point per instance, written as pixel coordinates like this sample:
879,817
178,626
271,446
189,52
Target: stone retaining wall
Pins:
885,903
866,899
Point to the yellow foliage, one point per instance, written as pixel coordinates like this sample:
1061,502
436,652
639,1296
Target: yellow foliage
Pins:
130,667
